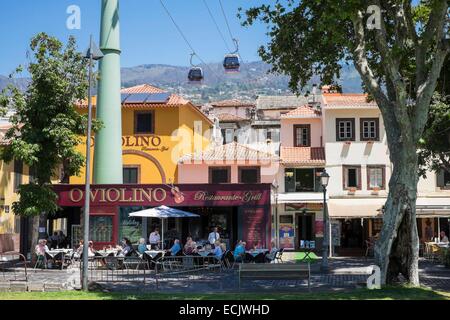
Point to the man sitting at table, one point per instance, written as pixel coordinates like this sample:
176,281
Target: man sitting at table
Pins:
273,252
444,237
175,248
239,251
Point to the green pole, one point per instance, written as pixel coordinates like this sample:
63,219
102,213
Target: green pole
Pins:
108,141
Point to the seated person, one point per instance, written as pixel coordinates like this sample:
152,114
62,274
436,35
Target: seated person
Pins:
239,251
41,248
273,252
142,247
190,246
443,237
175,248
127,247
91,250
218,250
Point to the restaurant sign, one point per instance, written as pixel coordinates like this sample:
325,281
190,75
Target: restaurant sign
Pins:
155,195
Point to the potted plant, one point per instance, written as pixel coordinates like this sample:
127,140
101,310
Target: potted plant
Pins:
375,190
351,190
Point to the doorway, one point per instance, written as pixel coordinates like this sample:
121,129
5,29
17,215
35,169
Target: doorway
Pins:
303,228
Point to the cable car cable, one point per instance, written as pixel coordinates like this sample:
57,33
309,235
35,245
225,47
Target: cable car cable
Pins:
217,26
186,40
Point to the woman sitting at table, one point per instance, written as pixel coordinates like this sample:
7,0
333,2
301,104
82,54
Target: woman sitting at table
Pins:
175,248
190,247
142,247
218,250
41,248
91,250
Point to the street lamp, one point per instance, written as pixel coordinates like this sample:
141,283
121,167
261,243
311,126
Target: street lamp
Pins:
93,53
324,178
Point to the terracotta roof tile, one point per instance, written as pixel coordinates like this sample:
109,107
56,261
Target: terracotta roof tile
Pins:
302,112
303,155
228,117
232,103
174,100
229,152
347,100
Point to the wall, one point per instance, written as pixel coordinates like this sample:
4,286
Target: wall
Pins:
287,131
358,152
174,127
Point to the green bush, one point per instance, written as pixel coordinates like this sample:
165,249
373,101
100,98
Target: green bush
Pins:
446,257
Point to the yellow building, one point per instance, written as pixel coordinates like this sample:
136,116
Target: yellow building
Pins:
155,136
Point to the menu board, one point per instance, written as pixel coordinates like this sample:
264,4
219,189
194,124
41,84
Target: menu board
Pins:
254,227
319,228
286,236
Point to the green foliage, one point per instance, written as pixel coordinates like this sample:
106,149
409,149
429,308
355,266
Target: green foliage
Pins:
35,199
46,128
435,143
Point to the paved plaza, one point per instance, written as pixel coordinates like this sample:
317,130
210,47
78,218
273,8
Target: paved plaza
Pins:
345,274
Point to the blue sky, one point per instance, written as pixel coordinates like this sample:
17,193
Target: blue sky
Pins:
147,33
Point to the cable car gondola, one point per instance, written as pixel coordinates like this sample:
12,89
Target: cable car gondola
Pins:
231,61
195,74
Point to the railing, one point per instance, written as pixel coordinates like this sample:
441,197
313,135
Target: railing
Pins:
9,261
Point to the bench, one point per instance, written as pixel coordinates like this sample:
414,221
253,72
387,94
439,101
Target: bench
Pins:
274,271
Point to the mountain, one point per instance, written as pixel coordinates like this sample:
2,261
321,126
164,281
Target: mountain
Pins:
252,80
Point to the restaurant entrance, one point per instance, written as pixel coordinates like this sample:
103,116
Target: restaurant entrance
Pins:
304,229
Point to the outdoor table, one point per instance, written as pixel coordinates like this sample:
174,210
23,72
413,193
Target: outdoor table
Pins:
307,252
153,253
65,252
257,251
205,253
105,253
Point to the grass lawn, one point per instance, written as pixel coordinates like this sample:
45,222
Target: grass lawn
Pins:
393,293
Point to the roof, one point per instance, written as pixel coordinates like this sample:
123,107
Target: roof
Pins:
347,101
232,103
303,155
228,117
174,100
280,102
232,152
302,112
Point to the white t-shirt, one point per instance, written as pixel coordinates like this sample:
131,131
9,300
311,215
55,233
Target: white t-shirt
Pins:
154,238
213,237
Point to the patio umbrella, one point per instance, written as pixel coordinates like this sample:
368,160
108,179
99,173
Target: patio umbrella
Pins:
163,212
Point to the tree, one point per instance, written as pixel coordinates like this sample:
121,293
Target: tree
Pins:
398,49
46,128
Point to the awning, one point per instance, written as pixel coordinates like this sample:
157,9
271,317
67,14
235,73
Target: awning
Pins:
355,208
301,197
428,207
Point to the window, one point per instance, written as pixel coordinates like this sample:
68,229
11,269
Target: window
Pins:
100,228
144,122
352,177
18,174
131,174
249,175
443,179
345,129
219,174
370,129
302,180
302,135
375,177
286,219
229,135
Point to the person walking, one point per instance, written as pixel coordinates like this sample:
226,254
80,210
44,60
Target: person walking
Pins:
214,236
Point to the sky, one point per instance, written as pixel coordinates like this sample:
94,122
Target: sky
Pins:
148,36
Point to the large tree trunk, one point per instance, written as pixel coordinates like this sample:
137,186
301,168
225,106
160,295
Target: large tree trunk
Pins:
39,221
397,251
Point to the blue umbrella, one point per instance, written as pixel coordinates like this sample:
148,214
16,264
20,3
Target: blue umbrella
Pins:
163,212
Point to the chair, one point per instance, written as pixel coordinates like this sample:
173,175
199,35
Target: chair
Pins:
39,260
260,257
229,259
248,258
279,256
369,248
59,259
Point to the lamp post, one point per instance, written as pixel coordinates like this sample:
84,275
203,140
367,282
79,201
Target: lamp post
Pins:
324,178
93,53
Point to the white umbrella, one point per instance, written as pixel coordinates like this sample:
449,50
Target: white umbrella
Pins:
163,212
